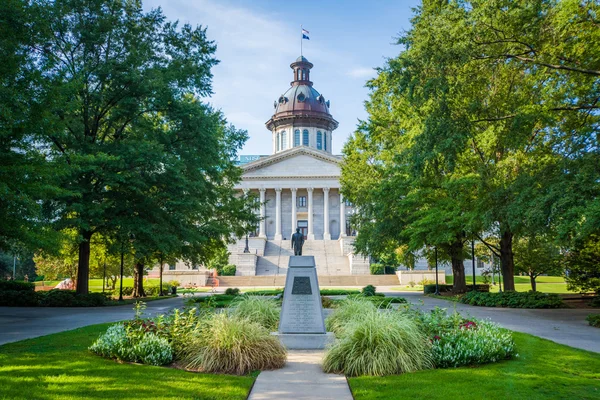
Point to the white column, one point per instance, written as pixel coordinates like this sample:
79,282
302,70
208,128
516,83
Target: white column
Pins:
261,229
310,235
342,216
278,214
326,234
294,223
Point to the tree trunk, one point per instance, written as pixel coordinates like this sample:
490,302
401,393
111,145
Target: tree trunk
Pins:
83,264
533,283
458,266
139,280
507,263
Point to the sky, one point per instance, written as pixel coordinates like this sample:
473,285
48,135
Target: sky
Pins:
258,39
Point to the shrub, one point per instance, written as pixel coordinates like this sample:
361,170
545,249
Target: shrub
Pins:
214,301
426,281
173,284
594,320
379,343
180,328
232,291
379,300
348,310
262,310
430,289
338,292
326,302
474,342
18,298
17,286
377,269
114,343
513,299
228,270
368,290
153,350
264,292
68,298
229,344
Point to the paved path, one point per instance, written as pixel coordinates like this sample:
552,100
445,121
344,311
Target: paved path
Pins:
301,379
565,325
18,323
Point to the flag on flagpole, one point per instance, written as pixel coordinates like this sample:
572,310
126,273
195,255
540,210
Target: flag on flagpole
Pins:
305,34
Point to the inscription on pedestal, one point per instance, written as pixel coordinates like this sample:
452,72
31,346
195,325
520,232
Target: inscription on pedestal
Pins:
301,285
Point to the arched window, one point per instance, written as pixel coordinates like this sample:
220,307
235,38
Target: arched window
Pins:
305,137
277,143
325,141
299,71
283,140
297,137
319,140
303,74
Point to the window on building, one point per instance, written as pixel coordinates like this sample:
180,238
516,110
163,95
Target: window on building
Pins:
325,141
305,137
303,74
277,143
297,137
283,140
479,264
301,201
171,267
319,140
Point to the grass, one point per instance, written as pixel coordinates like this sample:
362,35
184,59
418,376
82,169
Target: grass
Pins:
543,370
545,284
59,366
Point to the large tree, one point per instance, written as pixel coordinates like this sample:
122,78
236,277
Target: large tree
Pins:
143,156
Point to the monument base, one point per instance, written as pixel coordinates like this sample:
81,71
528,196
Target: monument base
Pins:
305,341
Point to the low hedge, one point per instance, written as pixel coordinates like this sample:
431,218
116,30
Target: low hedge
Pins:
529,299
594,320
52,298
338,292
430,288
17,286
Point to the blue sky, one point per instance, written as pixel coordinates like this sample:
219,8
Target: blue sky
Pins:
257,41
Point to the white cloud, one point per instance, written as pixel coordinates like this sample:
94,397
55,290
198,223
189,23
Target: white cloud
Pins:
361,72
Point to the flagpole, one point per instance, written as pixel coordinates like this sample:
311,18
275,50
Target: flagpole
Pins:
301,38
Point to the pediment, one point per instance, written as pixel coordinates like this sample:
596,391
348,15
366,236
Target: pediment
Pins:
297,162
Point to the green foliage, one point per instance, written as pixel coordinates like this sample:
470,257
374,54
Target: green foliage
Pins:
338,292
529,299
379,300
594,320
228,270
264,292
262,310
232,291
349,310
213,301
430,289
582,267
234,345
18,298
326,302
377,269
17,286
69,298
379,344
368,290
537,255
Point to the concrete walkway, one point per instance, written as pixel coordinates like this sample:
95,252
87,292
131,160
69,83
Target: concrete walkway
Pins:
18,323
564,325
301,379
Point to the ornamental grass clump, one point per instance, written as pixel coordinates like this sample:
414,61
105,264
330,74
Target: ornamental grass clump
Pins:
348,311
234,345
377,344
262,310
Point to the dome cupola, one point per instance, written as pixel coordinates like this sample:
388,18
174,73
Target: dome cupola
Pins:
302,116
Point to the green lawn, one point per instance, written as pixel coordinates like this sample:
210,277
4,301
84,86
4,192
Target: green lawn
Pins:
546,284
543,370
59,366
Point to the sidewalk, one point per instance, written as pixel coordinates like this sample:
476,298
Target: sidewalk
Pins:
301,379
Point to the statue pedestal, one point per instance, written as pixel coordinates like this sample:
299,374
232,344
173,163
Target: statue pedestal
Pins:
301,324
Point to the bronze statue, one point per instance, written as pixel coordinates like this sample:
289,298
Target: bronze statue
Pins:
297,242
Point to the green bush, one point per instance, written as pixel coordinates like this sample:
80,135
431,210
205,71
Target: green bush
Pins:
593,320
233,345
338,292
262,310
430,289
348,310
379,300
377,269
18,298
232,291
368,290
214,301
379,343
153,350
17,286
326,302
153,290
180,328
513,299
68,298
264,292
228,270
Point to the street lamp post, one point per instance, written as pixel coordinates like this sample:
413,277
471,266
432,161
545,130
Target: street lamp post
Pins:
246,249
473,260
121,280
437,288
